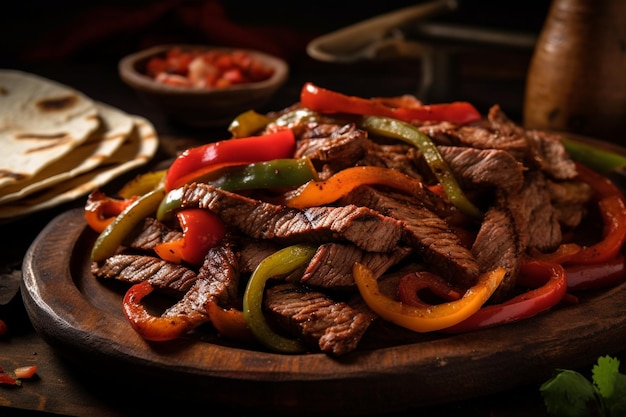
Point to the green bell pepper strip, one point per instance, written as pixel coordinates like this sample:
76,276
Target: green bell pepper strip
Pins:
277,173
278,264
114,234
410,134
248,123
598,159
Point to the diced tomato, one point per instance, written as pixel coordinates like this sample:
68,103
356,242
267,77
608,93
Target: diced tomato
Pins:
24,372
214,69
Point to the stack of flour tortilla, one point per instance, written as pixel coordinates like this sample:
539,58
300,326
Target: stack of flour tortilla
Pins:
59,144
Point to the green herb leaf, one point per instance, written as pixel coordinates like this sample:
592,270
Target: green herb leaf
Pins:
611,384
570,394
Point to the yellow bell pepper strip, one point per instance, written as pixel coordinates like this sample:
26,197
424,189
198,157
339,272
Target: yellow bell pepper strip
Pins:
426,318
612,205
278,264
229,323
153,328
101,210
595,276
317,193
410,134
327,101
548,287
197,161
248,123
142,184
113,235
277,173
202,229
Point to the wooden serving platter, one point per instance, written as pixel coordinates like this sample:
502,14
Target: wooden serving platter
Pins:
82,317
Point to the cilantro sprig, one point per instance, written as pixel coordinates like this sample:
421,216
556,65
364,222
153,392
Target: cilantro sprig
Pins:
570,394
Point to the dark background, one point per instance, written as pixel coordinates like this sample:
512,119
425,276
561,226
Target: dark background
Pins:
105,30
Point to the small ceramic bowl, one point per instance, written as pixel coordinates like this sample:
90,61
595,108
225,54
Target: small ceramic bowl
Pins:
202,106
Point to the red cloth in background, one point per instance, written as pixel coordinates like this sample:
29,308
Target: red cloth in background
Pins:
113,31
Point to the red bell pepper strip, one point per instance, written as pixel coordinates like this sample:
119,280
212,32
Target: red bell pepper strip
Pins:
327,101
411,285
612,206
550,286
595,276
200,160
100,209
202,229
153,328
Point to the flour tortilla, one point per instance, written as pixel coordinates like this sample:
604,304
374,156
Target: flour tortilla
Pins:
139,148
40,122
115,126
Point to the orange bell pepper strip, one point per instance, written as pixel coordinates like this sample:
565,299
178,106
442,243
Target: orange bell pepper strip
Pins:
101,210
153,328
327,101
202,229
426,318
229,323
317,193
201,160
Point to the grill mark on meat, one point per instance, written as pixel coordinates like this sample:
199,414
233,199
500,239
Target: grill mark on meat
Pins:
343,148
429,235
496,244
331,266
193,304
221,271
152,233
133,269
334,327
480,167
364,227
252,252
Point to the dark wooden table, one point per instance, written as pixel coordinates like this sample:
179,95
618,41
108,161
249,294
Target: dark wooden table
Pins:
65,388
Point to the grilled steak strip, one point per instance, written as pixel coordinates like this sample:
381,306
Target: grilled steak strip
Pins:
479,167
331,266
220,270
515,223
333,327
151,234
133,269
430,236
364,227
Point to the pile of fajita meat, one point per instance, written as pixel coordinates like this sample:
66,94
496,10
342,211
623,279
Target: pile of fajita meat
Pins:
523,181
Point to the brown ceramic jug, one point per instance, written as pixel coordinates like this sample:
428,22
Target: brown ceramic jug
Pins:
577,76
